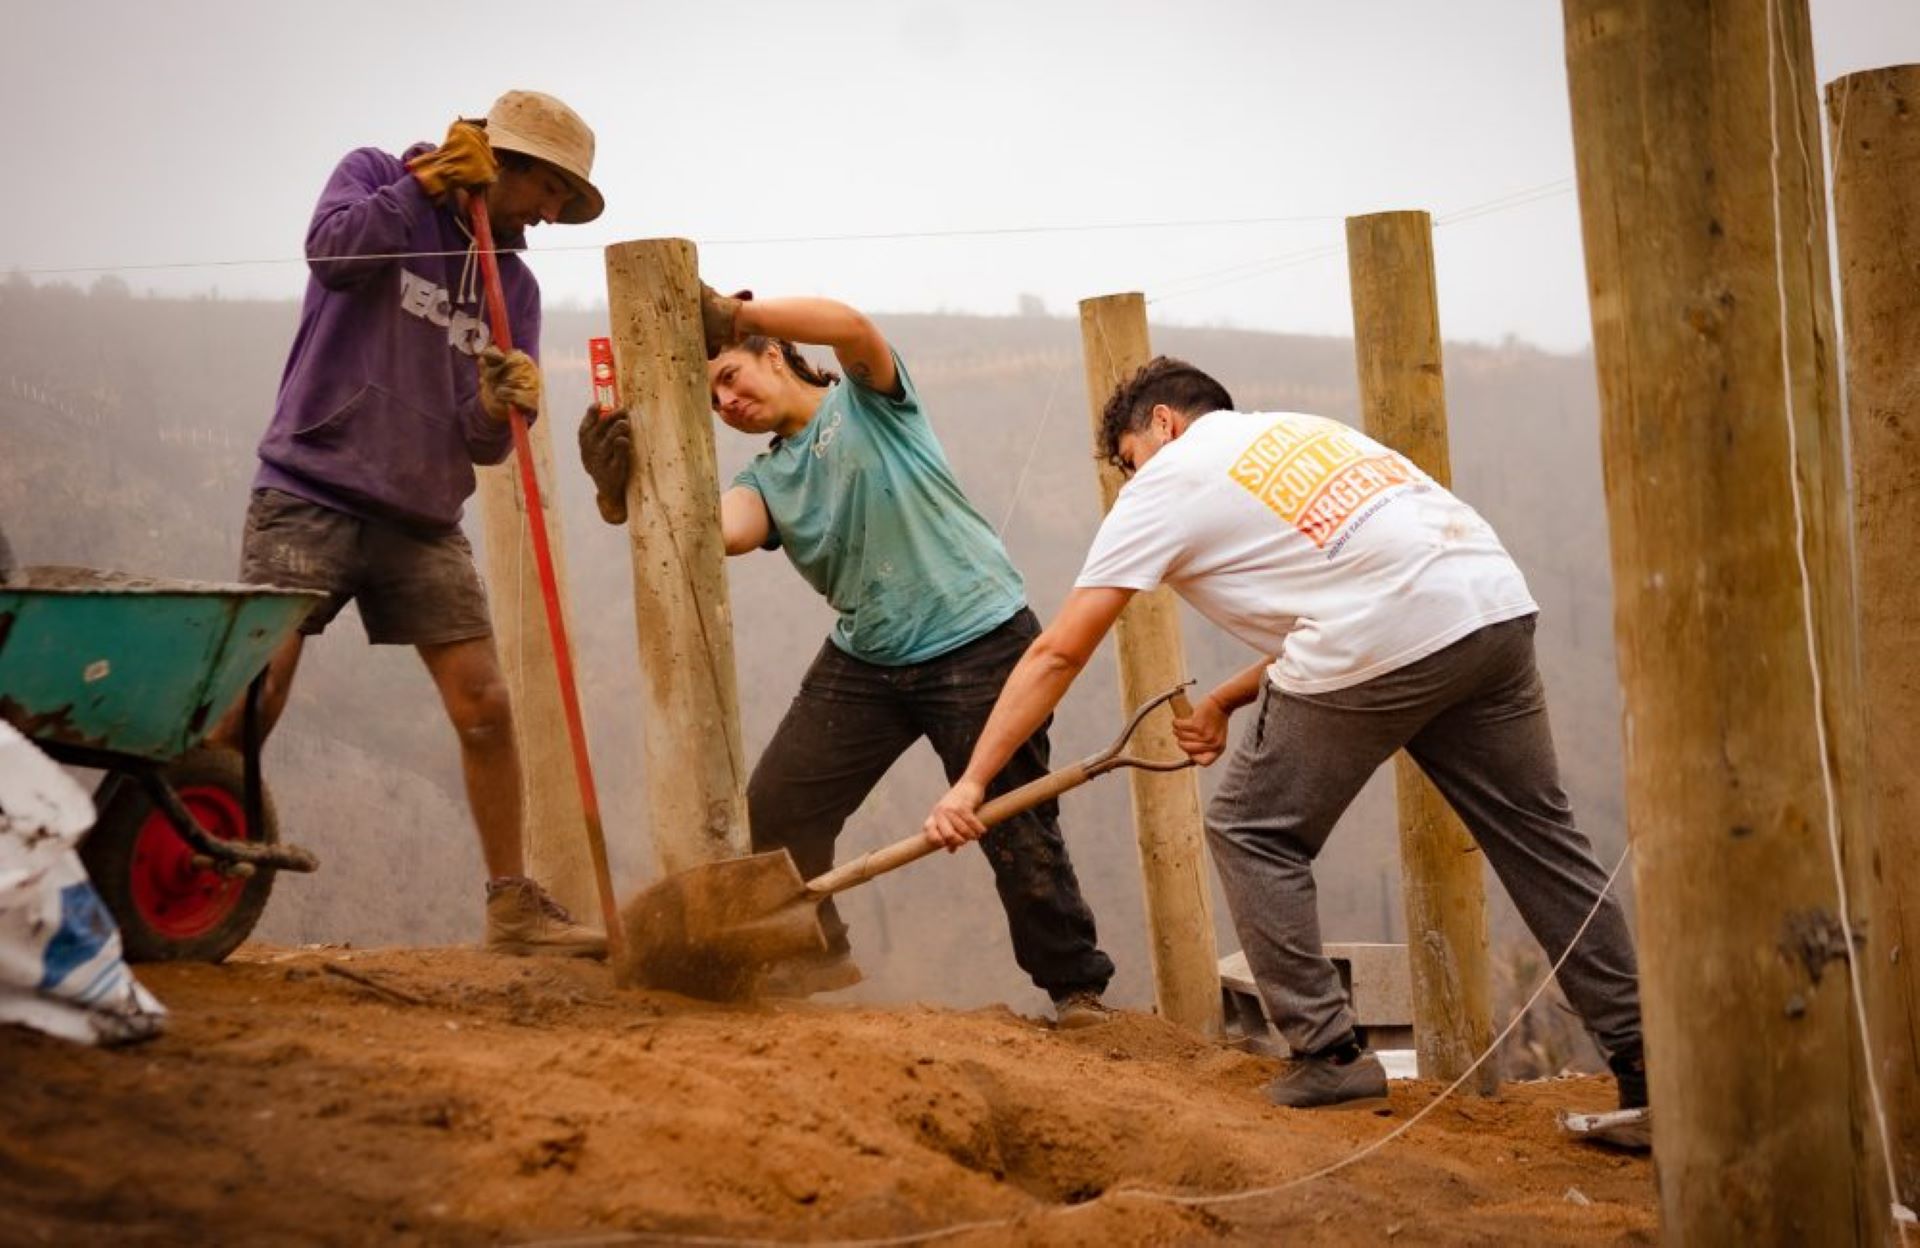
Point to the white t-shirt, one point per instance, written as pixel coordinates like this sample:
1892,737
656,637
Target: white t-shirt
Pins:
1310,541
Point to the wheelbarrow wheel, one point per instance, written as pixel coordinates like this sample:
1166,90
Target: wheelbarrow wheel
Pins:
169,909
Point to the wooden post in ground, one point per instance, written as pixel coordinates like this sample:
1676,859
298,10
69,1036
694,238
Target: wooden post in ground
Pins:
1166,805
1875,119
1696,139
695,763
1396,343
554,827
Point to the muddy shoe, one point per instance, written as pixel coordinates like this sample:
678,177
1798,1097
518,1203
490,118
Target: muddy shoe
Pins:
1322,1083
804,977
1080,1009
522,920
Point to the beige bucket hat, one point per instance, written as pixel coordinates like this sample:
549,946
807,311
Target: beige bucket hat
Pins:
542,127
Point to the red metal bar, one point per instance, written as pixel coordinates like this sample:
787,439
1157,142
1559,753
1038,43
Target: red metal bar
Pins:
549,588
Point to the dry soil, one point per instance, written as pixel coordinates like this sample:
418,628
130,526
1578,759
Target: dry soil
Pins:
333,1096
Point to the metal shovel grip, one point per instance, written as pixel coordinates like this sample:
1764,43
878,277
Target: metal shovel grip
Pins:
1007,805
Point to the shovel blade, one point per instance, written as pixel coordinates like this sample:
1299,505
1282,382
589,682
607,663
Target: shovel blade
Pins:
711,930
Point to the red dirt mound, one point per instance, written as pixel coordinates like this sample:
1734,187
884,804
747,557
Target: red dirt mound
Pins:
447,1096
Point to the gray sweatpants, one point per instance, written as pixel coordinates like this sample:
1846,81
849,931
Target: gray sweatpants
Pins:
1474,717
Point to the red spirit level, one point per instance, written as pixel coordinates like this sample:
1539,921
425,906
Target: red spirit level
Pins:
606,390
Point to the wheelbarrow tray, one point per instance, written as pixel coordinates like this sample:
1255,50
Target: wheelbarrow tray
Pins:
135,666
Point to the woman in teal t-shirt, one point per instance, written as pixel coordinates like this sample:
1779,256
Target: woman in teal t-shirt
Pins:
855,488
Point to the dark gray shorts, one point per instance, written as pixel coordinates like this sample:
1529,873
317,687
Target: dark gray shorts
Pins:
414,588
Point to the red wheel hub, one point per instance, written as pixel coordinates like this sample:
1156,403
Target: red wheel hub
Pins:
175,898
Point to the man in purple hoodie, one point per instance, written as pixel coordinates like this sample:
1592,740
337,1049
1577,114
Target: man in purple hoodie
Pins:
391,394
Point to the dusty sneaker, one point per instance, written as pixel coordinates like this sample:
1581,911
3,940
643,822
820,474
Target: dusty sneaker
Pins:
803,977
522,920
1324,1082
1080,1009
1630,1072
1628,1130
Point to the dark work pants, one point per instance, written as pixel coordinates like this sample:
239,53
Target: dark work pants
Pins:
847,725
1474,717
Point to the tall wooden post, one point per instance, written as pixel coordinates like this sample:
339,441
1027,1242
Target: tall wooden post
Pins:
1166,805
554,827
1396,343
1701,193
695,763
1875,118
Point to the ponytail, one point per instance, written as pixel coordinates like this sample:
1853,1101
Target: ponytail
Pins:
802,367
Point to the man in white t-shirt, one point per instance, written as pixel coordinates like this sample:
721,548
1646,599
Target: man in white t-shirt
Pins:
1390,617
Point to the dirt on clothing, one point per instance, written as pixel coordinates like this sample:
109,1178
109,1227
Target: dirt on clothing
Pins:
333,1096
56,576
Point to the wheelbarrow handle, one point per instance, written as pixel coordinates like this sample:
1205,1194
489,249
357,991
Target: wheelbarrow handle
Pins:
999,810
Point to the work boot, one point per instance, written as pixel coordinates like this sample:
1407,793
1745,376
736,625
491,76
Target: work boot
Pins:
804,977
1082,1008
1629,1068
522,920
1354,1079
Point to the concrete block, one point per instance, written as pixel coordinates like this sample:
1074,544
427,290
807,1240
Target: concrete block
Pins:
1379,981
1379,984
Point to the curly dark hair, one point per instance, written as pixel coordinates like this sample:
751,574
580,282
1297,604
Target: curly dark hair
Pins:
1162,379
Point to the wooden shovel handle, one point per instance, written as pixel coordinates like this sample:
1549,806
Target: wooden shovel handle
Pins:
1032,793
999,810
915,847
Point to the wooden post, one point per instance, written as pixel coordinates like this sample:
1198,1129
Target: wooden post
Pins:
1166,805
1876,204
1396,343
554,826
695,763
1701,195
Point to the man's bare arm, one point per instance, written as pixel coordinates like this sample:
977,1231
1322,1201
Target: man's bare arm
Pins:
1203,734
1038,682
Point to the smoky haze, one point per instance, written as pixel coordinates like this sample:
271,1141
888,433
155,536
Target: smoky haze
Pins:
130,424
200,132
131,396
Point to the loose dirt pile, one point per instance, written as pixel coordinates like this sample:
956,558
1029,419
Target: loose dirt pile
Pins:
446,1096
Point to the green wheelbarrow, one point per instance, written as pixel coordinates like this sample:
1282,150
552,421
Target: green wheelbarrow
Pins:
129,675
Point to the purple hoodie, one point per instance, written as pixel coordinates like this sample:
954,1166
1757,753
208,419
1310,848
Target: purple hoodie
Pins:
379,410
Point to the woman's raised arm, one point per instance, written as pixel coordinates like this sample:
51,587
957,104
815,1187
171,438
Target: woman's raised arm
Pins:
857,343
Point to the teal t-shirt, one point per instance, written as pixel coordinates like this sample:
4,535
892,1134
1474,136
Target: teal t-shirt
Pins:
866,507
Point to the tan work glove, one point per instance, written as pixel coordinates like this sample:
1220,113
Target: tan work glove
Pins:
508,379
720,317
606,451
463,160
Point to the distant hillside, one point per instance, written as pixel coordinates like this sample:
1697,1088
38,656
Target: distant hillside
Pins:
127,429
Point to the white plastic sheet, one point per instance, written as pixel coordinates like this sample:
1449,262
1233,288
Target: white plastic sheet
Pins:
61,967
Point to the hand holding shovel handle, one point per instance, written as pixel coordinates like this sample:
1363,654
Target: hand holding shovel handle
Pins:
1007,805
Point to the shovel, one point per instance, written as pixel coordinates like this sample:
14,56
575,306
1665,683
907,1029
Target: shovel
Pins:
711,931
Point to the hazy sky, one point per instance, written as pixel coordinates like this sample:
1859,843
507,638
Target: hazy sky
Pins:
145,133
